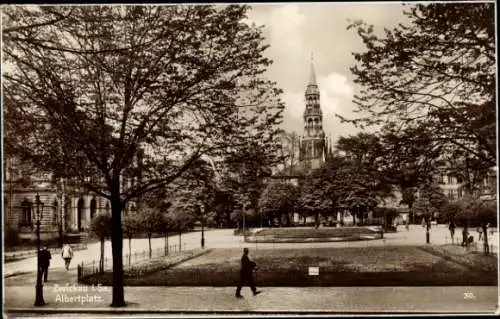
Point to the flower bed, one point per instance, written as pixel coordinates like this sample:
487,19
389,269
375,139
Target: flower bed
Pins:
326,234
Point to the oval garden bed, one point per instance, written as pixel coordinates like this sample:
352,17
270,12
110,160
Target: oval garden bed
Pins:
308,235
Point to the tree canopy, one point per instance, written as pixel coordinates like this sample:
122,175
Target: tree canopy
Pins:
434,74
97,93
278,199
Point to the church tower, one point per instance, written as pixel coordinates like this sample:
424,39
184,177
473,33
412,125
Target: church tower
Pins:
313,143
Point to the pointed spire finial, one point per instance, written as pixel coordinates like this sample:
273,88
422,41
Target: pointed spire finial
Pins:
312,79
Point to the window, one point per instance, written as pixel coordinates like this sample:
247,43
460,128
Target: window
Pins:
55,213
441,179
93,207
25,219
451,194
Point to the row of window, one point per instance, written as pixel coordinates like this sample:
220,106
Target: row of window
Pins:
28,211
448,179
452,180
455,193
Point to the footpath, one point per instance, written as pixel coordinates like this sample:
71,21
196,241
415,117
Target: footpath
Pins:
63,295
77,299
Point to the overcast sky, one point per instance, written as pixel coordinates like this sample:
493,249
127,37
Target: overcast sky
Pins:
295,30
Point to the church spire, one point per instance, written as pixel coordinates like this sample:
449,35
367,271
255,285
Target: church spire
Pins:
312,78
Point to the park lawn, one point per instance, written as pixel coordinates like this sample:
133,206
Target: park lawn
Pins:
366,266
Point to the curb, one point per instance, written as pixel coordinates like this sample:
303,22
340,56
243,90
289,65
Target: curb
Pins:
18,273
309,240
10,257
131,311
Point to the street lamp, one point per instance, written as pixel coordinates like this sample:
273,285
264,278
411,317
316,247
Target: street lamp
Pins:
61,218
39,287
202,211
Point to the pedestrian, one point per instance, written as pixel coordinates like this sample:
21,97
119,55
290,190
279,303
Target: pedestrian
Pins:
67,255
465,235
480,233
452,231
246,274
44,262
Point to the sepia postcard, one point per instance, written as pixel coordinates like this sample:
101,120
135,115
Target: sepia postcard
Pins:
249,160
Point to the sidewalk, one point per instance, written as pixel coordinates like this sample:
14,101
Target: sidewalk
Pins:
317,300
11,256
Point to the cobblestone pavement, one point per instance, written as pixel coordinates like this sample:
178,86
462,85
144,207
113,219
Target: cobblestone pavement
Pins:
284,300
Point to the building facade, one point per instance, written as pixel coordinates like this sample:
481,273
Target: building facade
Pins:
65,207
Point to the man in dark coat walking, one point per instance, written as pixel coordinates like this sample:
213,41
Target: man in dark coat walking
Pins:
246,274
44,260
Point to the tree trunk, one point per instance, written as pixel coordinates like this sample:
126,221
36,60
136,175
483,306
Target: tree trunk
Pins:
165,246
180,239
101,261
465,235
149,241
166,243
117,250
354,218
412,214
129,249
486,245
428,230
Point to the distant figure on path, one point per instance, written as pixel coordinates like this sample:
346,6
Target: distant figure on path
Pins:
67,255
465,235
44,262
480,232
246,274
452,231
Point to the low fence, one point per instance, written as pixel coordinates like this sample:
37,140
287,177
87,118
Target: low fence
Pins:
94,267
475,246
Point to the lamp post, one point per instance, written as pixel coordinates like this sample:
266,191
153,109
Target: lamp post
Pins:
202,211
61,219
428,219
244,210
39,287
